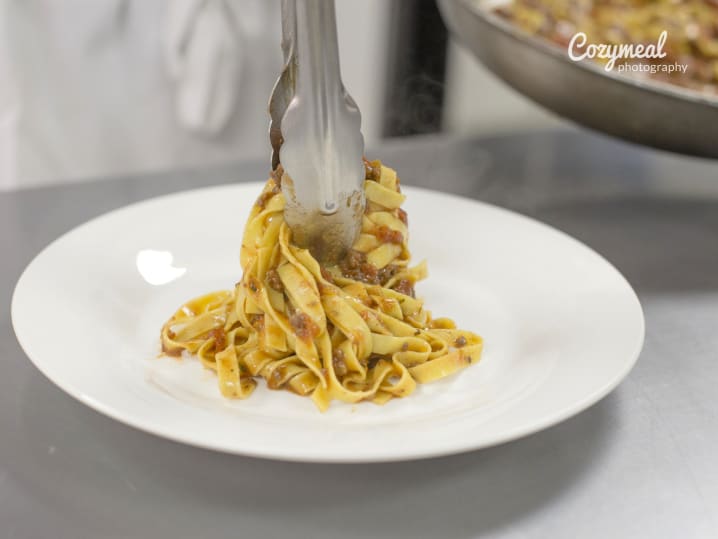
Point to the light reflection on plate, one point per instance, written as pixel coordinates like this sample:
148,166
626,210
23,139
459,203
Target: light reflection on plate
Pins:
156,268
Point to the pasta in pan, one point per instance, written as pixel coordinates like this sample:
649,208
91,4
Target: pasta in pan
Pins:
350,332
691,28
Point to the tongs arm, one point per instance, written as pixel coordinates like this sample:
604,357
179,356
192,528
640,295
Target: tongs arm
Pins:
315,133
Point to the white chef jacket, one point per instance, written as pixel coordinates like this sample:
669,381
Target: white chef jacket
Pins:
100,88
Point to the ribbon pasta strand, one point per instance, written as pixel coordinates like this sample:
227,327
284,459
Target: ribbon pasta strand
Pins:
350,332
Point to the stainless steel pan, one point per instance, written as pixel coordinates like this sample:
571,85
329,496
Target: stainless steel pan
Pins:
642,111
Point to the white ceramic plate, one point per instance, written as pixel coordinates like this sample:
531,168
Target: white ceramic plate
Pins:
562,328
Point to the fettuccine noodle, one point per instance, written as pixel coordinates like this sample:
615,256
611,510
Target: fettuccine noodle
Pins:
349,332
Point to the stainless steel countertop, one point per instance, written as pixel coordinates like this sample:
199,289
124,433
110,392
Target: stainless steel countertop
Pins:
641,463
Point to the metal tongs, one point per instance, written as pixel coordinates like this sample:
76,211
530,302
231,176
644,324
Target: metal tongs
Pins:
315,134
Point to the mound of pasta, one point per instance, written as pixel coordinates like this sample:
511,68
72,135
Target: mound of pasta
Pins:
350,332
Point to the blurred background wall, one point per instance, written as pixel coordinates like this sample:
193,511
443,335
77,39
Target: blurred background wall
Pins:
477,102
91,89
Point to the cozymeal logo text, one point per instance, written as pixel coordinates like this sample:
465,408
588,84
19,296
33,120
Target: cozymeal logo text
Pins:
579,49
